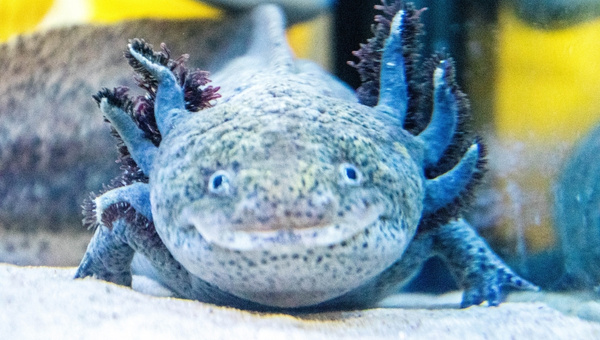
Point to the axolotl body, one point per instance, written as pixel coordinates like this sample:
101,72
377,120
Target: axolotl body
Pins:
288,193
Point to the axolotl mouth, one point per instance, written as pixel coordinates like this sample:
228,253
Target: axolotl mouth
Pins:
295,266
218,229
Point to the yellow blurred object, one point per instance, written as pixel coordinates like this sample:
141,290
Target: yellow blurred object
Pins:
106,11
18,16
548,85
547,97
311,40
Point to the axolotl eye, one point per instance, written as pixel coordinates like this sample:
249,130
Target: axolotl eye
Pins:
350,174
219,183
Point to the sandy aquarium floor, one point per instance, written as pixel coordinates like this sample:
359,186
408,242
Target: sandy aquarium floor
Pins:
45,303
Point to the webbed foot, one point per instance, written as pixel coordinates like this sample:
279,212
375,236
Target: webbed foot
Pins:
477,269
121,217
107,258
487,283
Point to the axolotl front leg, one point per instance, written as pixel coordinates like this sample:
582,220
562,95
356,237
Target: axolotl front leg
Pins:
123,216
477,270
109,254
124,227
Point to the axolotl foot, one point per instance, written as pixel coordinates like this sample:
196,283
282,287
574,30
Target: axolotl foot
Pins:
476,268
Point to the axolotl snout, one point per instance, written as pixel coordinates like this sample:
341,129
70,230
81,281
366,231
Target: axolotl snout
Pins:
288,192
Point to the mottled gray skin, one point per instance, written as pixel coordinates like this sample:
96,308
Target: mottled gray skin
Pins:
269,140
288,193
577,214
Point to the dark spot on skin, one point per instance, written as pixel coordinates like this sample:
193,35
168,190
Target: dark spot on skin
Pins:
344,243
276,182
231,262
263,261
295,256
319,259
235,166
365,245
273,258
309,214
287,213
340,214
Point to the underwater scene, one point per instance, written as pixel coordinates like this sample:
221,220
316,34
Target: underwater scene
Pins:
306,158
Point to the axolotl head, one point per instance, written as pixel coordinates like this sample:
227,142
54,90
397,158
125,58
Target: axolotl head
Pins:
286,197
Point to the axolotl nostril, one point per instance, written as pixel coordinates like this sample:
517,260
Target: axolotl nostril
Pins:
287,190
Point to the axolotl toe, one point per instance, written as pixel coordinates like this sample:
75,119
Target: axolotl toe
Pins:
280,189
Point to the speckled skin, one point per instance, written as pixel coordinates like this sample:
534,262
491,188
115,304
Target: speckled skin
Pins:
290,194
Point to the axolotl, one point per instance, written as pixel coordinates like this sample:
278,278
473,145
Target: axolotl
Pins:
284,190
